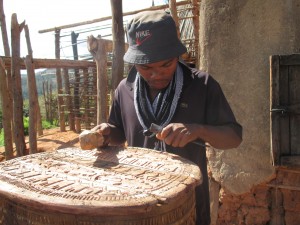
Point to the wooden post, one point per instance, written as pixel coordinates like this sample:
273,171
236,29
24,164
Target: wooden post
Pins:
69,103
85,91
45,93
6,113
173,9
118,44
59,84
94,93
39,117
77,125
17,87
97,48
7,106
4,30
51,110
33,104
74,37
196,29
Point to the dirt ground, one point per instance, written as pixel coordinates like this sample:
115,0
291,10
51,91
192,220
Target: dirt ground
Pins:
52,140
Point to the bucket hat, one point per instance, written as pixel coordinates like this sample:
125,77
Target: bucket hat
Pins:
152,37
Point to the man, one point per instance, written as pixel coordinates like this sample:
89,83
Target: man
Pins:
160,89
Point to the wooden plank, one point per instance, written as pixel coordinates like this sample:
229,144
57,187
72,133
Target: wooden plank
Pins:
294,84
285,132
290,161
294,99
284,119
274,102
295,134
288,60
51,63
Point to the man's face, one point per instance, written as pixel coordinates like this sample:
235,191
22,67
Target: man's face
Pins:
158,75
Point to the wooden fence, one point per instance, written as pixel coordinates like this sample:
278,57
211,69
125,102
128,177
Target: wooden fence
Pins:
78,95
83,87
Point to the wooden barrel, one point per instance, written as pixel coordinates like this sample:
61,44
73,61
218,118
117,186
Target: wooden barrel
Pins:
112,186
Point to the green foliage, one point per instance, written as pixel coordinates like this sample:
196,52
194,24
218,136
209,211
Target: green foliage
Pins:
42,76
1,118
26,125
47,125
1,137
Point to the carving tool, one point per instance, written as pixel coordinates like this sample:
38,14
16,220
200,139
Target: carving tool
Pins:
154,128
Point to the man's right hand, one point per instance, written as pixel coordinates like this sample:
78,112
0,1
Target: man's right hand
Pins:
104,129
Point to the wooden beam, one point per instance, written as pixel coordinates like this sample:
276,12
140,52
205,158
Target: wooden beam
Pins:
109,17
51,63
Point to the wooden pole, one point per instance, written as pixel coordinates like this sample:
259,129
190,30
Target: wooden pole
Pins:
173,9
118,44
28,42
51,63
94,93
6,103
97,48
74,37
51,105
19,139
69,103
30,53
4,30
196,12
7,107
45,92
85,98
33,104
59,84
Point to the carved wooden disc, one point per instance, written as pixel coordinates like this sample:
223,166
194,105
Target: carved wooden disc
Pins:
105,181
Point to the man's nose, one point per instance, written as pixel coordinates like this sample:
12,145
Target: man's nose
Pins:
155,73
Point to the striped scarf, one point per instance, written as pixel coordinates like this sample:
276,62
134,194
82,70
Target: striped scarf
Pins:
163,107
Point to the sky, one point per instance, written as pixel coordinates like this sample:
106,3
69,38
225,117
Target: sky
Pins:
42,14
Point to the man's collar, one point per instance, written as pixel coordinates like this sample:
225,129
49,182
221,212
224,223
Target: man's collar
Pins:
131,77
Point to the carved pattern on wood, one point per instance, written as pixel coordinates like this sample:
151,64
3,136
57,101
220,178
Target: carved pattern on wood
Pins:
113,181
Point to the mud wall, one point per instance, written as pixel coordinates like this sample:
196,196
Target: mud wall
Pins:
236,40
